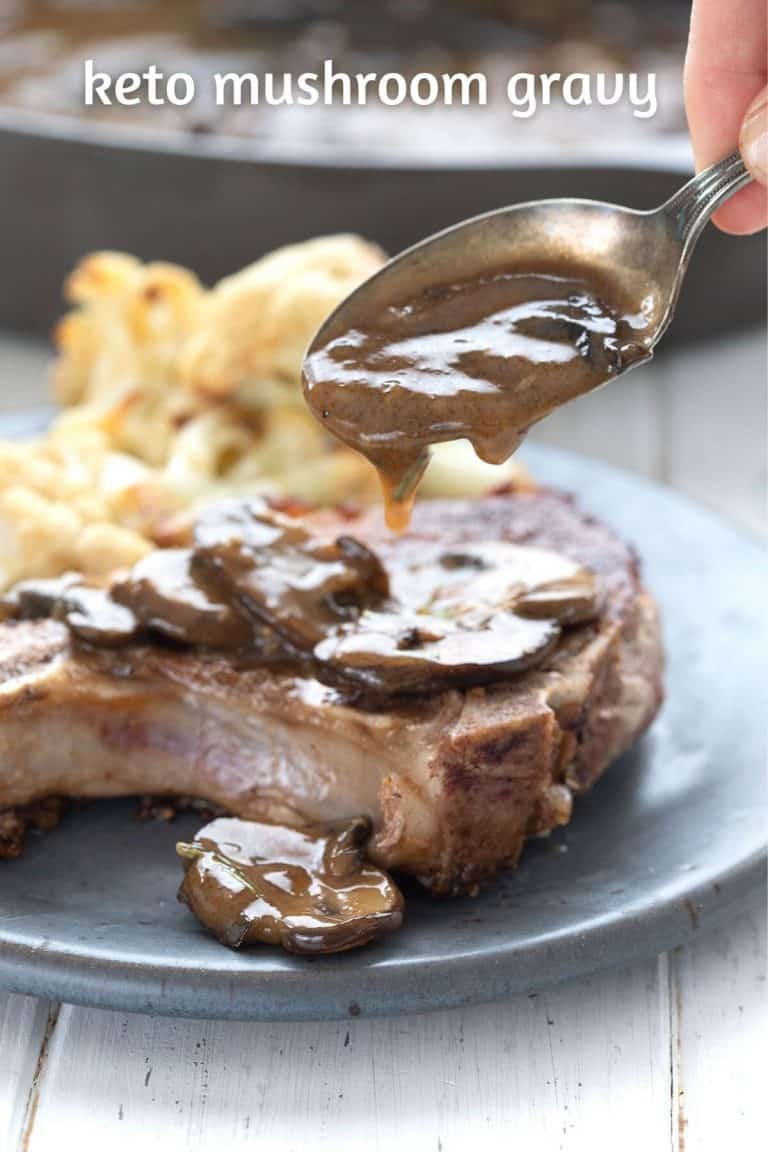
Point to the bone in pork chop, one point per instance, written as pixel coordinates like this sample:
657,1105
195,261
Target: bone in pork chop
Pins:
453,777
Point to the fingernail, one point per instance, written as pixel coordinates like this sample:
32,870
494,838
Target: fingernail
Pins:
753,142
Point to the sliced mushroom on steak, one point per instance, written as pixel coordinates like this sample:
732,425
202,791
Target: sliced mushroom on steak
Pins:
89,611
486,614
401,653
162,593
282,574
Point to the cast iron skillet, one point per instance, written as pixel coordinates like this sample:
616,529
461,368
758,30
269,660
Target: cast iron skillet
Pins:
214,204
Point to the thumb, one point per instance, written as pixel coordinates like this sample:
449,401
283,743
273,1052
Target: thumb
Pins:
753,139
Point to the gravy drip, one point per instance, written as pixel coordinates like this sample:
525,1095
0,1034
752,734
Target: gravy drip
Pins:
480,360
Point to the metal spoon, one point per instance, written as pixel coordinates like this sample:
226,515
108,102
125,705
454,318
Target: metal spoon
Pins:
649,249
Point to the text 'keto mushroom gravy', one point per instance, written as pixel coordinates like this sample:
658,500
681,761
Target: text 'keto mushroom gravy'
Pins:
480,360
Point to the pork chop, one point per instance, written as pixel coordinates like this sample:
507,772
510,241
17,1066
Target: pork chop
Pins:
453,781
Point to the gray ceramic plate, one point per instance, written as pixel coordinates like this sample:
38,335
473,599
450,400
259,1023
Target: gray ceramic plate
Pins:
670,839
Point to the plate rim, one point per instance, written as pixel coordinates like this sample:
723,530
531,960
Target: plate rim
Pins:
211,992
136,987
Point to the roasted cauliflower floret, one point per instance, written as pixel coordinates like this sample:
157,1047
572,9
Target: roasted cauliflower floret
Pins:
255,326
174,396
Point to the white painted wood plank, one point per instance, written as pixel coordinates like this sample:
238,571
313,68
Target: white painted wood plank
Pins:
714,409
694,418
23,1024
719,992
618,424
23,372
558,1071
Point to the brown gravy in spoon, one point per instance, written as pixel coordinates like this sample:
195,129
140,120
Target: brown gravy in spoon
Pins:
480,360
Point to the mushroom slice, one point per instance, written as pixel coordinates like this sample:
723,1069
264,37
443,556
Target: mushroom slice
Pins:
308,889
573,600
38,599
161,592
94,617
88,610
405,653
486,613
294,582
501,576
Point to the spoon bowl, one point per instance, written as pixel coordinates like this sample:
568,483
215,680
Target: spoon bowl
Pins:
645,252
482,330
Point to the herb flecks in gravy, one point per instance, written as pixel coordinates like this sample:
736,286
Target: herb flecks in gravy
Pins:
308,889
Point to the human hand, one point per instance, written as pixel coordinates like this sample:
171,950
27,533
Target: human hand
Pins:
726,99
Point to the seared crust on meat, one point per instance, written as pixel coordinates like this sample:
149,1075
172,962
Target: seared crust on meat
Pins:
453,783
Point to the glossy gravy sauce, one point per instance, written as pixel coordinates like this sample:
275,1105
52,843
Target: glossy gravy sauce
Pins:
307,889
480,360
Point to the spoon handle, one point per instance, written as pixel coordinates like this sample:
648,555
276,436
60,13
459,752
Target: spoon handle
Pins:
692,206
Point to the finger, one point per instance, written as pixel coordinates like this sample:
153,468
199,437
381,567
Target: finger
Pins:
753,141
725,69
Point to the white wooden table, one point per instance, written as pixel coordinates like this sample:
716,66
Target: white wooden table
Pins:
668,1054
